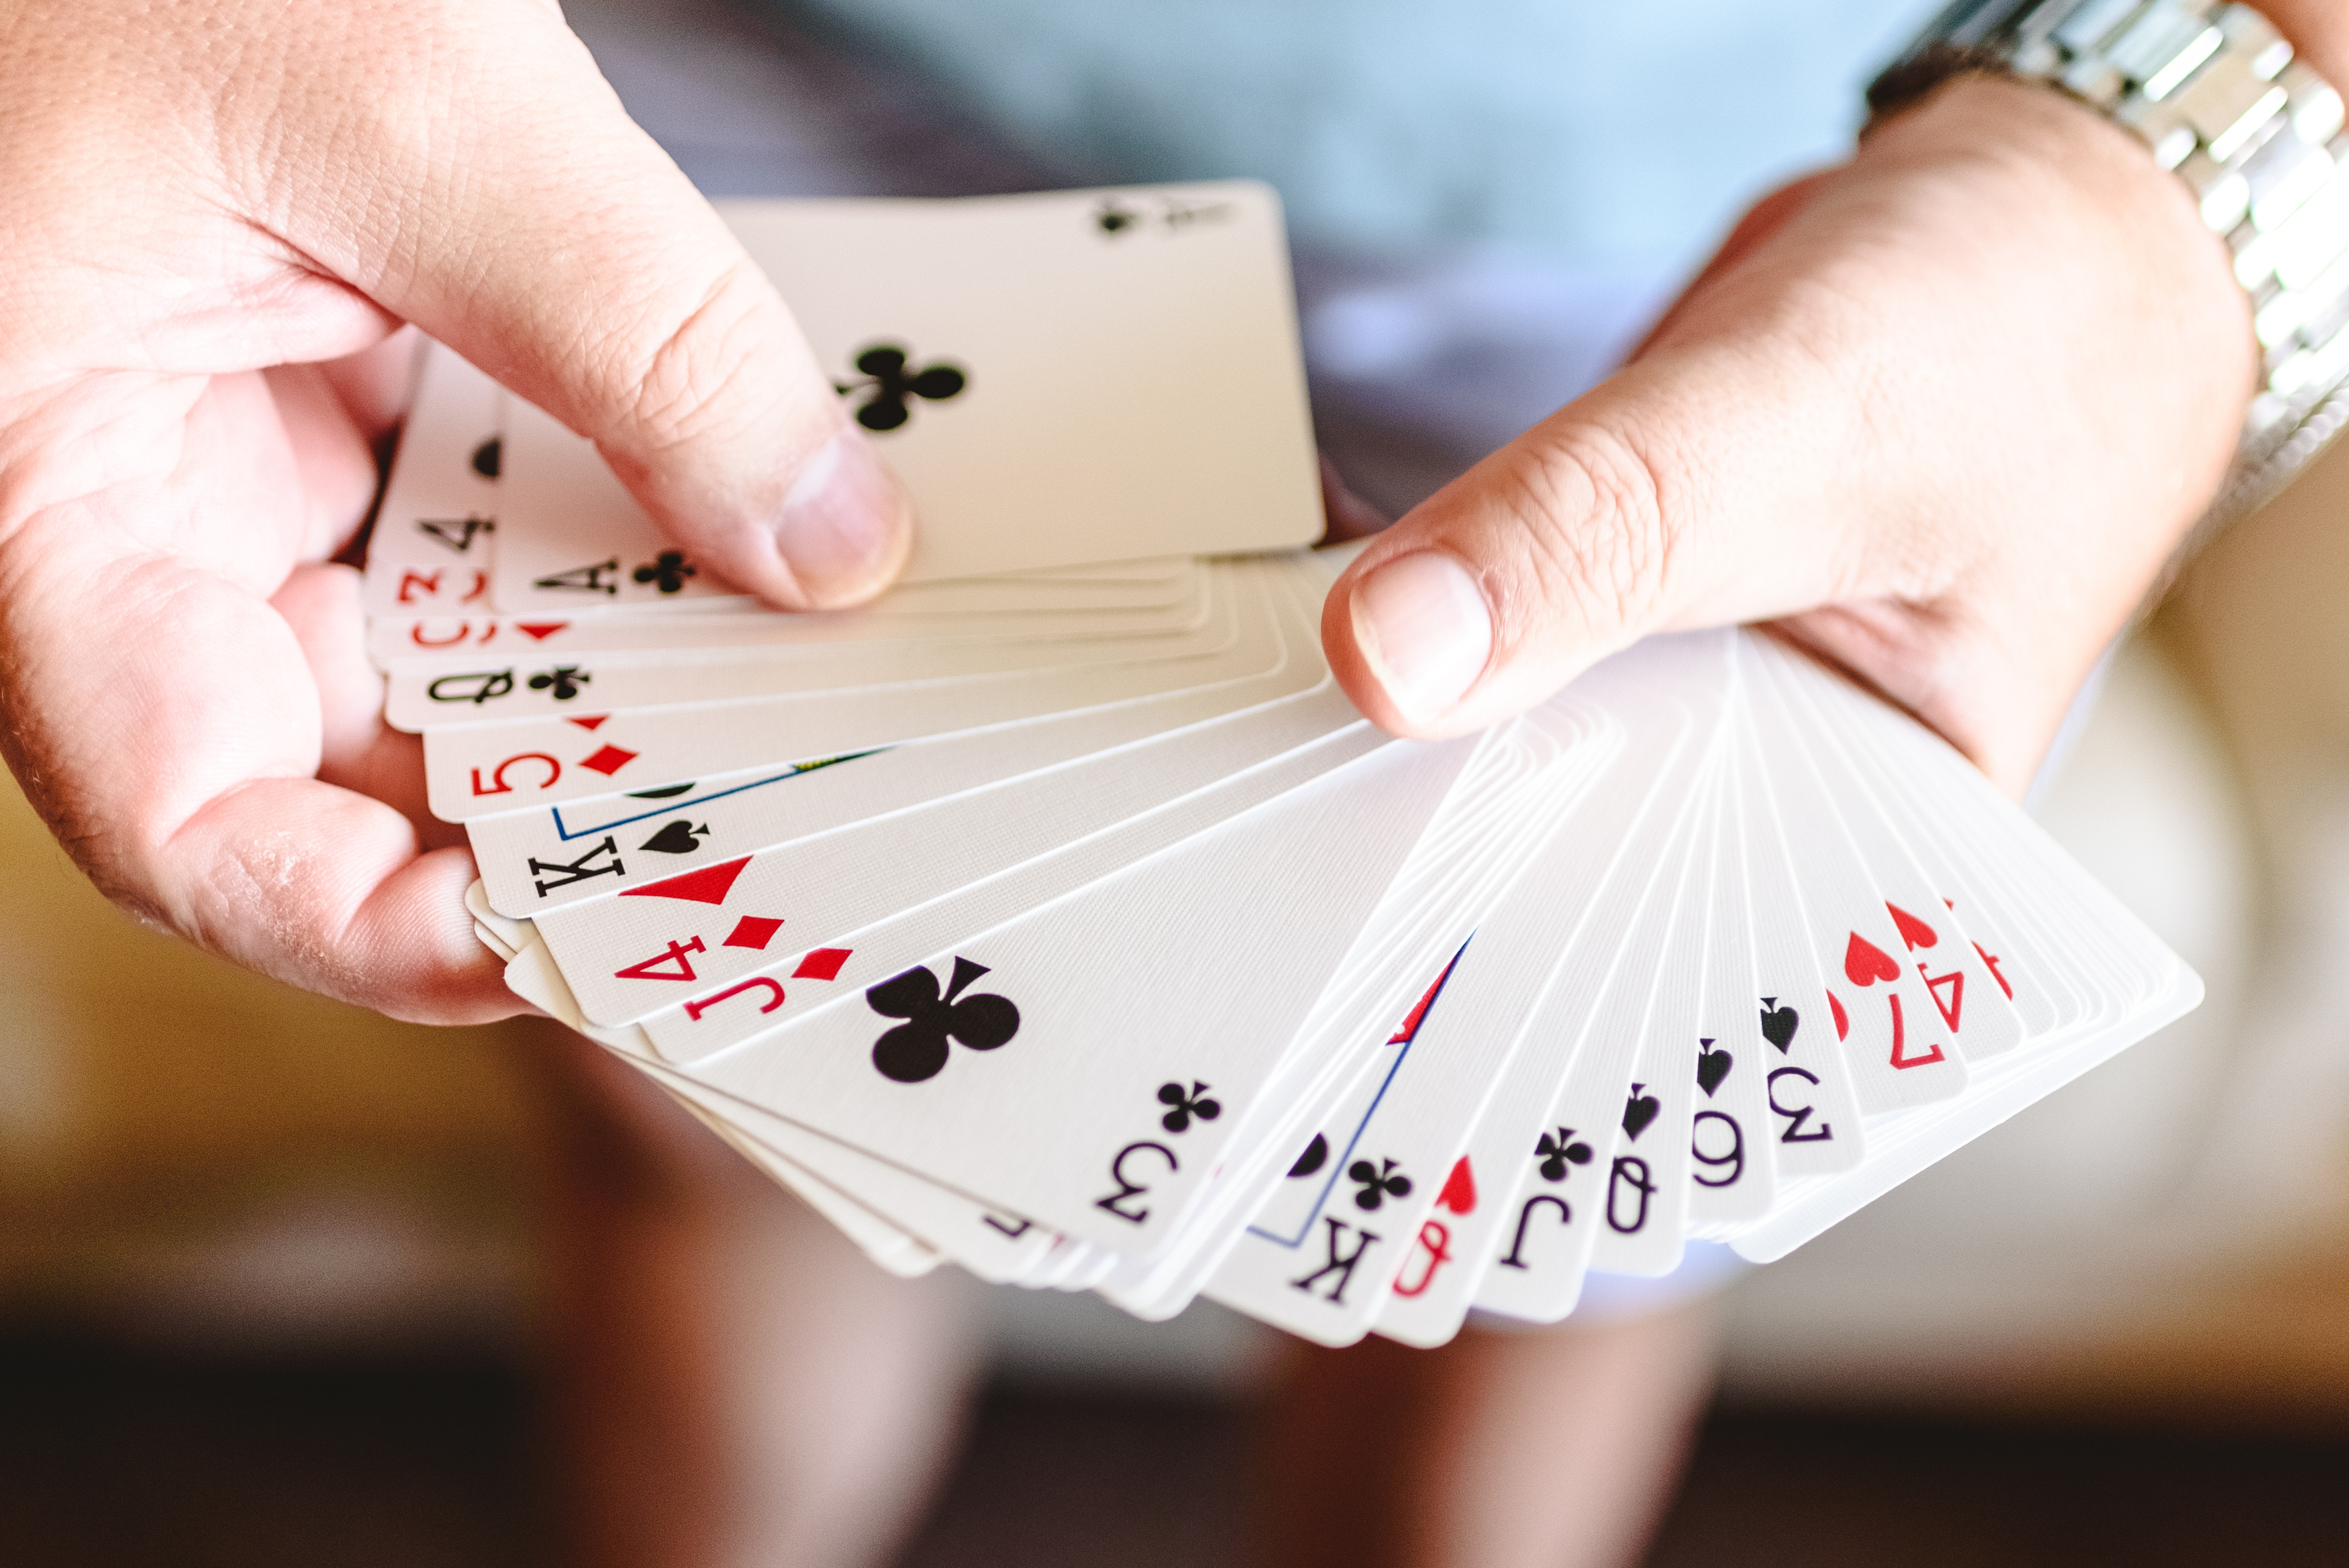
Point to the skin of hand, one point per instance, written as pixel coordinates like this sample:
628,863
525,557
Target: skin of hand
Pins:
1941,414
220,213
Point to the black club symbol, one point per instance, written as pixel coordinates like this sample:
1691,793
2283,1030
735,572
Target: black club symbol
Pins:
884,367
1559,1151
565,680
916,1049
669,569
1194,1104
1380,1182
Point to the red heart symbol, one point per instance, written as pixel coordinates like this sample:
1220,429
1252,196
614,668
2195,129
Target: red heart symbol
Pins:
1459,1193
1913,931
1866,964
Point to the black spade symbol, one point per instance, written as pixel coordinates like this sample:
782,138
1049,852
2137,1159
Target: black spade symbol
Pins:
916,1049
1778,1023
1711,1067
489,457
678,837
665,792
1639,1111
1316,1155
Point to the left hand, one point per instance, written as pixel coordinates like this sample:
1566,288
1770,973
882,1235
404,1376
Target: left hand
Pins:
1942,414
217,213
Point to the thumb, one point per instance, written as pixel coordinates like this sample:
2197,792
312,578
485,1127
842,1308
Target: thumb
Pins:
1557,550
521,217
1604,523
1954,405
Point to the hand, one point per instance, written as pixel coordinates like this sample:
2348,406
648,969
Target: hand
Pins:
1941,414
218,211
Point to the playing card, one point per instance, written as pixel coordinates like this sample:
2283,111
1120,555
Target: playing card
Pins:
1974,1010
1587,1172
535,860
1814,1123
475,769
1067,392
1482,842
971,609
2042,998
499,691
995,1246
1598,868
1896,1049
433,543
889,1205
1722,1120
1056,917
1063,1051
724,1005
701,933
1731,1177
1368,1182
1646,1207
1131,380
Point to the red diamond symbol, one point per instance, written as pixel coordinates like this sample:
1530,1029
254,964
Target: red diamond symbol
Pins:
608,761
596,722
823,964
539,631
753,931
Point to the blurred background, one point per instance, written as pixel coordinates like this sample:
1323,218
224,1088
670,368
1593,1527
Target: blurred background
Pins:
275,1274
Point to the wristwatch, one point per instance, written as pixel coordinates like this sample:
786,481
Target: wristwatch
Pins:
2214,91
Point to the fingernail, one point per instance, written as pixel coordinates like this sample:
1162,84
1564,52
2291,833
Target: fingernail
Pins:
1421,621
846,524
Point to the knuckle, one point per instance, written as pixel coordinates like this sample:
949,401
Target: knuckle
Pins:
1591,514
681,375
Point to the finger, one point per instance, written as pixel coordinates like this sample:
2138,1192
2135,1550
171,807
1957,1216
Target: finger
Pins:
518,215
231,845
161,716
333,459
373,385
1970,393
357,749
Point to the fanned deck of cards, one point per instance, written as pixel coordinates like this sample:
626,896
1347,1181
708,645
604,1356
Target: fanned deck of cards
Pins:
1057,916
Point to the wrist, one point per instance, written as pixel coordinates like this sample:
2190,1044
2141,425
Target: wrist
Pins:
2250,125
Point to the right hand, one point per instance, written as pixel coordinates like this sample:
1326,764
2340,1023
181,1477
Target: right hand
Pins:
215,210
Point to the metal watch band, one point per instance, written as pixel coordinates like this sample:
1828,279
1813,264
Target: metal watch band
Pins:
2214,91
